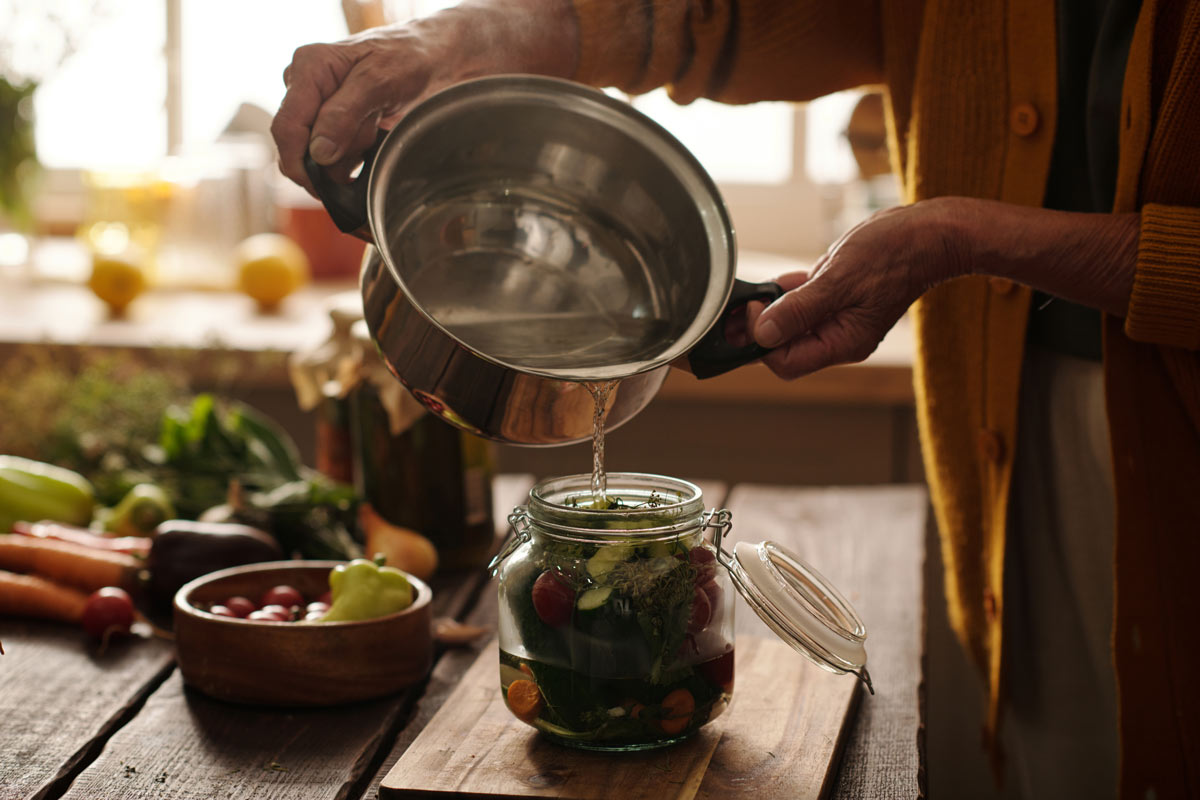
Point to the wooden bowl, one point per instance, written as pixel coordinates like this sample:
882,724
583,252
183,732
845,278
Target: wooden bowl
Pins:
294,663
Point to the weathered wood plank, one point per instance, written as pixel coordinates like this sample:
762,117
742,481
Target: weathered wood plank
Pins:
475,748
454,664
185,745
869,542
60,700
779,739
785,728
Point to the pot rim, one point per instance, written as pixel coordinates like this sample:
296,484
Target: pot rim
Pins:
683,164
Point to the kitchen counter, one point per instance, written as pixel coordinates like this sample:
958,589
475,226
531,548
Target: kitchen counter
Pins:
78,724
177,323
848,424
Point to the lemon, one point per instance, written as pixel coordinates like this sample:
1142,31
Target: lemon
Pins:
270,266
117,279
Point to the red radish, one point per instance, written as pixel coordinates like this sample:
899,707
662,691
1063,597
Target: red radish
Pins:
286,596
269,616
108,610
705,562
241,606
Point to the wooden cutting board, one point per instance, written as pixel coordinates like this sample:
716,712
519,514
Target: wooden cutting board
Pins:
780,737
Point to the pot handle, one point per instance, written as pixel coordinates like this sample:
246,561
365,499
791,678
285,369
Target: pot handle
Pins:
714,355
346,202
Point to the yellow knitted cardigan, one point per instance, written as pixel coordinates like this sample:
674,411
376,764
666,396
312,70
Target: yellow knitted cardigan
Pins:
971,99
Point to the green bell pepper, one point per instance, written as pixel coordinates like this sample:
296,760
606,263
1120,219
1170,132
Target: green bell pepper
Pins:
140,512
362,589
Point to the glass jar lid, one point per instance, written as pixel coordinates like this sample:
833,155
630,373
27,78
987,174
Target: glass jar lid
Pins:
796,602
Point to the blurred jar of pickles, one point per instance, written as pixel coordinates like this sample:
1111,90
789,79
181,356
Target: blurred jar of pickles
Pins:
417,471
323,378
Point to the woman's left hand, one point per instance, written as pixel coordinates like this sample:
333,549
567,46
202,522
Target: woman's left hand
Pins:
840,310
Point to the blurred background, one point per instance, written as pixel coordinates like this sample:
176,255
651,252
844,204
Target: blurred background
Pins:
142,216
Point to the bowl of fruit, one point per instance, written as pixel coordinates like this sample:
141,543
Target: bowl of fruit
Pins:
303,633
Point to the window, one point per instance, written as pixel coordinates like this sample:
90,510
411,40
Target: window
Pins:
159,76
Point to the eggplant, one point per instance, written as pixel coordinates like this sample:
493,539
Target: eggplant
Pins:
183,550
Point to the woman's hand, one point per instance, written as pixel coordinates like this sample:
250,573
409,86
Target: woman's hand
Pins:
839,311
339,95
858,290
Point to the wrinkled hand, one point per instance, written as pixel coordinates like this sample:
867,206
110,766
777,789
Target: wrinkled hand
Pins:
839,311
339,95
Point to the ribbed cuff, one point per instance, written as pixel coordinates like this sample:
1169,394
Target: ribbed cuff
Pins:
1165,305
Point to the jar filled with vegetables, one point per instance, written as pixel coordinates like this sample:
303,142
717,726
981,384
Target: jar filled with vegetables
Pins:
616,612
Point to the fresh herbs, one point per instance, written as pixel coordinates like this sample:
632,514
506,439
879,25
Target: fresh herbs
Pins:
586,502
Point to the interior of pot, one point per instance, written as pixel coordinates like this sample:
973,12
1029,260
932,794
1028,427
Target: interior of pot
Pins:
552,229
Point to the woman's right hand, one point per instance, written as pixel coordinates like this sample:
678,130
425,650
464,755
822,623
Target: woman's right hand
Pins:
339,95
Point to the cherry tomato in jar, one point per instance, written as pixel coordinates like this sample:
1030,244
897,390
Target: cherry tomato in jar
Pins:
553,600
222,611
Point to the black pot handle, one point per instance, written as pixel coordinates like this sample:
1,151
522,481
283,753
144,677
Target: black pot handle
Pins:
714,355
345,202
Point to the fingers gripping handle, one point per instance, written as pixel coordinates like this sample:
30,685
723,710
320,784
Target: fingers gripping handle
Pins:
345,202
714,354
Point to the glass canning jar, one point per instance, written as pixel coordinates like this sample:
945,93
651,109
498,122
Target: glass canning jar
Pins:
616,627
616,623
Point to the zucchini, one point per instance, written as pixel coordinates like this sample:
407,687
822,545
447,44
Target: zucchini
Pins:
31,491
593,598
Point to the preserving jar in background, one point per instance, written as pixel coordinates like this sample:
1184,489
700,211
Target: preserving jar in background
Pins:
417,470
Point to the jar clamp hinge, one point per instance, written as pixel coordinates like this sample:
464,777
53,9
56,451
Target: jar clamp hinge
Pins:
518,534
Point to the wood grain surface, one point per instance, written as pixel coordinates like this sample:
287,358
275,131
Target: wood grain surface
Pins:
122,725
869,542
185,745
779,739
60,700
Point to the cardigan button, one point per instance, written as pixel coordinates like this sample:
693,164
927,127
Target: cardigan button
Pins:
1024,119
989,605
1000,285
991,445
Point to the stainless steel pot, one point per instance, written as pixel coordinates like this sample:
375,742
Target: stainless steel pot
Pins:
532,235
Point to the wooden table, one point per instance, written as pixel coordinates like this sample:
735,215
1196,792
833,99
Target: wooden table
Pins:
123,725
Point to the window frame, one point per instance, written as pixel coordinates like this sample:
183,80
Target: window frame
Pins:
789,218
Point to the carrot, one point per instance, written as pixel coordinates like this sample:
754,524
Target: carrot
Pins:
677,707
31,596
67,563
525,700
133,545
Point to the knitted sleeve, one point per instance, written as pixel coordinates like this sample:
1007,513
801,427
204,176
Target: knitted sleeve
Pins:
1165,305
734,51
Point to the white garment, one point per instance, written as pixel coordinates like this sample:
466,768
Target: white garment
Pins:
1060,725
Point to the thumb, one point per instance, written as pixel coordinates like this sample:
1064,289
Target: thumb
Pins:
792,315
